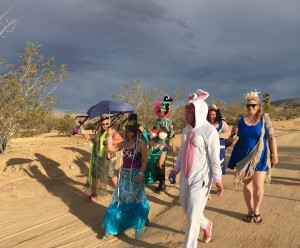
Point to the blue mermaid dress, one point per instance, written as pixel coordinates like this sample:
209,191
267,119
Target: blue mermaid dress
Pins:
248,138
129,207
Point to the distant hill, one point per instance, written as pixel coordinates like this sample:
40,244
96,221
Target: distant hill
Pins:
295,102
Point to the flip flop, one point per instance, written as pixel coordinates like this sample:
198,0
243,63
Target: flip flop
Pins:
259,218
248,218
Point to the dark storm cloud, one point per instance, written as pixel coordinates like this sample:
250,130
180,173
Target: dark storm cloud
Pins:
226,47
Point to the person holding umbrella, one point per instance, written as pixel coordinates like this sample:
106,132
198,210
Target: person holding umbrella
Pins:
102,163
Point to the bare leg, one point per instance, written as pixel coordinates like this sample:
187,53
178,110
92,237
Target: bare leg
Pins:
248,195
95,186
161,172
162,158
258,189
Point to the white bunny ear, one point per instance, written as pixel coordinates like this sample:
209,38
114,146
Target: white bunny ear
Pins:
202,95
192,97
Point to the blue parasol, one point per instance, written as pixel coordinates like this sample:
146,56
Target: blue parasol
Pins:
109,107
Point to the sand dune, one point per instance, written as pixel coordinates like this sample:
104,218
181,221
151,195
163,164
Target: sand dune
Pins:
43,203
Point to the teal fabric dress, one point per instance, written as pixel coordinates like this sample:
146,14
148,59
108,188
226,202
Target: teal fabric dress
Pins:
129,207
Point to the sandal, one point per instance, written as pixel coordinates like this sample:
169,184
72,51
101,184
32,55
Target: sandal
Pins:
107,236
248,218
257,216
91,197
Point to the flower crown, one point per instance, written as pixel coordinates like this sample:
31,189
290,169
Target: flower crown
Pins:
213,106
252,95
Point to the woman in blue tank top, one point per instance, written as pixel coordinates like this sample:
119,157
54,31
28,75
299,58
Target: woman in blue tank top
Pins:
254,154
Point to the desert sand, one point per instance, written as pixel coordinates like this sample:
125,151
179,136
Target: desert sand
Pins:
43,200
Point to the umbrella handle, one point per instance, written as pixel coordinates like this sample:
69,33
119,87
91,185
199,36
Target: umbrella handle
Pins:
79,124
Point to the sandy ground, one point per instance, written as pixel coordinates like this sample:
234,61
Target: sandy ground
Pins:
42,197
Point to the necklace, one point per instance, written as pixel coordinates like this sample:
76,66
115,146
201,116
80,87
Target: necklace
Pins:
127,152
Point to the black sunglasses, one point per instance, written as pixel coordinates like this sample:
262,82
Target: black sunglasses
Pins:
253,105
105,124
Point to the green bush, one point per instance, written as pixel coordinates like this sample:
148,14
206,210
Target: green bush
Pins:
64,125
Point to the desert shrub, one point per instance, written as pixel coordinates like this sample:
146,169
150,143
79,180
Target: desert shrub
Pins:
283,113
26,88
47,123
143,99
232,111
28,133
65,124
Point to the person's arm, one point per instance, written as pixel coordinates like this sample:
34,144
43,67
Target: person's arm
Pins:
117,138
144,137
91,138
272,140
177,167
214,157
234,131
172,132
226,131
273,149
144,157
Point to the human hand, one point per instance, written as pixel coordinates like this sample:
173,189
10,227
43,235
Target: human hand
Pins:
110,131
172,171
232,138
141,128
139,177
159,166
171,126
274,160
220,188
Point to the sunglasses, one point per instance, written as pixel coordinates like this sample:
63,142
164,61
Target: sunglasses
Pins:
105,124
253,105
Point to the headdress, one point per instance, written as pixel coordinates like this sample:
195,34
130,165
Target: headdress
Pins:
162,108
213,107
252,95
132,123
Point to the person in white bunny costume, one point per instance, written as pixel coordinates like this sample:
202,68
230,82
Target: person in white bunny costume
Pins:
198,160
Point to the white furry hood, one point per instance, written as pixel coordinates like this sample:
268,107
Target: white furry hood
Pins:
201,108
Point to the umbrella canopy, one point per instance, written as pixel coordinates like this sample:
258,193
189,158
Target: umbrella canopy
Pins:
109,107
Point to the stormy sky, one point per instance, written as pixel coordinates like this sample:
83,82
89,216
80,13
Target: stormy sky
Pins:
226,47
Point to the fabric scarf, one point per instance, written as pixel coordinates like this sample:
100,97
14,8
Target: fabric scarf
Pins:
101,144
100,147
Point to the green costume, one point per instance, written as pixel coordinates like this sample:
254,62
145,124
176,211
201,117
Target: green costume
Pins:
101,166
152,172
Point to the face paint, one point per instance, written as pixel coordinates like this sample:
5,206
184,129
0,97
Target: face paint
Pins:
162,110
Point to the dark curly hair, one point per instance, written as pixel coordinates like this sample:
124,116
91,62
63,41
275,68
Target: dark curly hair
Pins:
218,114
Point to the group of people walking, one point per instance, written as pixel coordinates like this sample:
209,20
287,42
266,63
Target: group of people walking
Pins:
200,162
